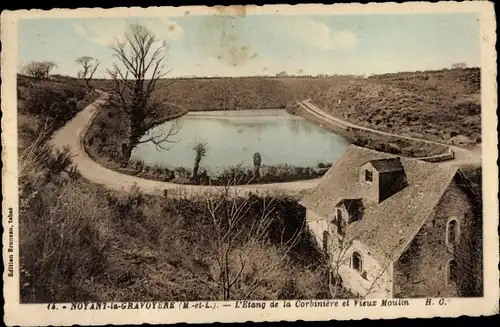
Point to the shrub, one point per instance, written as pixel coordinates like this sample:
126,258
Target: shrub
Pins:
74,173
63,246
56,106
59,161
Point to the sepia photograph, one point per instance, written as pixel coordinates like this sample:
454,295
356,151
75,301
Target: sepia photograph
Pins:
249,157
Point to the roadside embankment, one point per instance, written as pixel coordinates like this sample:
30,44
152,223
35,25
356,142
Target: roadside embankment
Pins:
374,139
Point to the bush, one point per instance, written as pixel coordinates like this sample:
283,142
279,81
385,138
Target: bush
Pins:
55,105
64,228
59,161
63,247
109,137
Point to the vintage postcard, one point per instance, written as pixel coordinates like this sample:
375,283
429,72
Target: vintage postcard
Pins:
245,163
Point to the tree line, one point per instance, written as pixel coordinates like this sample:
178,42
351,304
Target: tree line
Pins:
40,70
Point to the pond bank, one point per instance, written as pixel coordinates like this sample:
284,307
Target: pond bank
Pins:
110,127
235,175
231,140
374,139
73,133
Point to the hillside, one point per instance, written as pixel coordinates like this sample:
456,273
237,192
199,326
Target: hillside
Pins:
443,106
226,93
237,93
439,105
44,106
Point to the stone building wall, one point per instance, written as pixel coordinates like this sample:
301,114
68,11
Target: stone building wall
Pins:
423,270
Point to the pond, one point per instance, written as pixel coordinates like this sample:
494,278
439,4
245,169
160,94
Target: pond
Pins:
233,136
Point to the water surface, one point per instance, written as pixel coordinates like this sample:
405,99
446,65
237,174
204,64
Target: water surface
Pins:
233,136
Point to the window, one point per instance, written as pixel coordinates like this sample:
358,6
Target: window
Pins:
357,263
452,272
452,232
368,176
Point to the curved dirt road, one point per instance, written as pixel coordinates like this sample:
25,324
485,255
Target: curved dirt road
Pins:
462,156
71,135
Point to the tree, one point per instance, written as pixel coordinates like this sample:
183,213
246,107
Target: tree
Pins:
201,151
89,67
241,254
47,67
337,248
257,161
459,65
142,57
38,69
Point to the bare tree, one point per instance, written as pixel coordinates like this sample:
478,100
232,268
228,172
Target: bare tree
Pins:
33,69
89,66
38,69
337,248
142,57
47,67
241,244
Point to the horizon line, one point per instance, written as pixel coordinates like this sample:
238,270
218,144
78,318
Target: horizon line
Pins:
284,76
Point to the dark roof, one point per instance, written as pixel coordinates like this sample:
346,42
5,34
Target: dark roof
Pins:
388,227
387,165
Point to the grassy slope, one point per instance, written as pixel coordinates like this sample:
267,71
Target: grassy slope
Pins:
438,105
220,93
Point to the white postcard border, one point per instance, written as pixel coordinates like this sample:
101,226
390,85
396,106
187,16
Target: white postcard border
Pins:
42,314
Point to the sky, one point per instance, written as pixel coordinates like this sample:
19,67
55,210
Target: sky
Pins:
221,45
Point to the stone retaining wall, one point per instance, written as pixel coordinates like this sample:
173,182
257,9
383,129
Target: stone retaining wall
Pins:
450,155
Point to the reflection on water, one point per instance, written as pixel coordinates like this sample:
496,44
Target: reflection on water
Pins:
232,137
